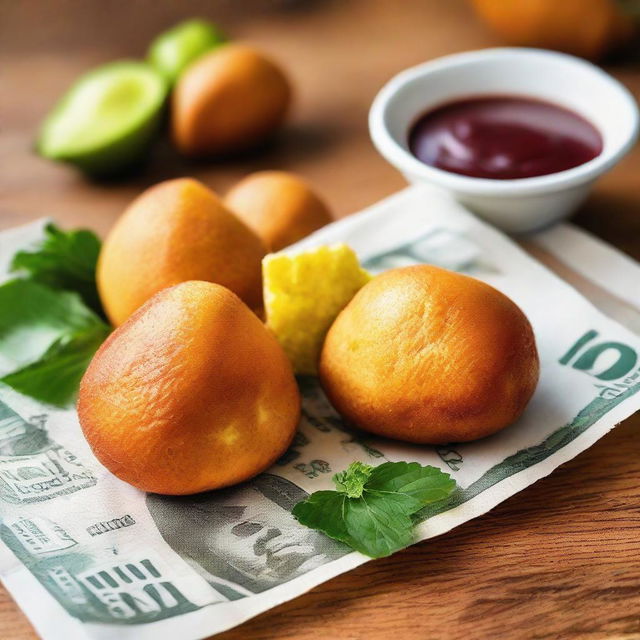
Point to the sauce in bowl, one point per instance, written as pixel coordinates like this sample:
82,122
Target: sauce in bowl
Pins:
504,138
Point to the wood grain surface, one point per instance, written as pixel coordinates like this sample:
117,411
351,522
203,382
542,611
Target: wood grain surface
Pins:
559,560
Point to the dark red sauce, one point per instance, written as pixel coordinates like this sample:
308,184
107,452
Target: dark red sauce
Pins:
503,137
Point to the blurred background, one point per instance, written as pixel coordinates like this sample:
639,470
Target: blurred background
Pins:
338,53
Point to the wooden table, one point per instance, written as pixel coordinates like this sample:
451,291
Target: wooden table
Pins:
559,560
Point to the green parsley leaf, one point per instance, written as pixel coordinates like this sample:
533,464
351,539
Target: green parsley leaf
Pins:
63,260
47,339
372,509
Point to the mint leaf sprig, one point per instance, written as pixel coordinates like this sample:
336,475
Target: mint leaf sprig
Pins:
47,339
51,319
63,260
372,508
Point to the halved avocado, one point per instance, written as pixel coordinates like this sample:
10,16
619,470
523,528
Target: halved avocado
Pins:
106,121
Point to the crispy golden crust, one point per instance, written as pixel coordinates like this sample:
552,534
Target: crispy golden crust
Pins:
426,355
177,230
191,393
278,206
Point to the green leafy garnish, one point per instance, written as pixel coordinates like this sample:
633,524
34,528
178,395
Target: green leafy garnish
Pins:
47,339
63,260
372,509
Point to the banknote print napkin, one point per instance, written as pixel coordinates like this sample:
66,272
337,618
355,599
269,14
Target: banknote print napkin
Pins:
88,557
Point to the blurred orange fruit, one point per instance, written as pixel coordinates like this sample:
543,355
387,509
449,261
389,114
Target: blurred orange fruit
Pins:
280,207
427,355
228,100
586,28
175,231
191,393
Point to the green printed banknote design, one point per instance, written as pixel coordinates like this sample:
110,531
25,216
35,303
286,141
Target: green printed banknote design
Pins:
123,591
439,246
530,456
33,468
109,554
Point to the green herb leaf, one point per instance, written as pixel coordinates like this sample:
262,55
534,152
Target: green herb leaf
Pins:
47,339
55,377
352,480
324,511
378,525
425,484
64,260
372,507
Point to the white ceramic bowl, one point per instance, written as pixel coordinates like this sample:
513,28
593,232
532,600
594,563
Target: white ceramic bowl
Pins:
513,205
